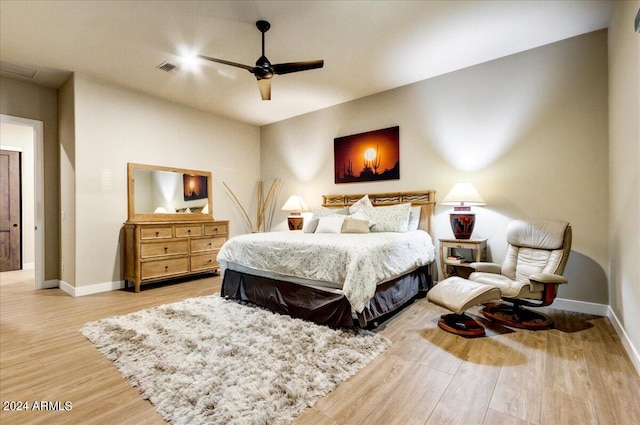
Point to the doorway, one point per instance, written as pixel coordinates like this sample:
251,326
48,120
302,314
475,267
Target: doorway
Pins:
25,137
12,241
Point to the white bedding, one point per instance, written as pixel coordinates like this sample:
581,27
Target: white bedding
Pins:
355,262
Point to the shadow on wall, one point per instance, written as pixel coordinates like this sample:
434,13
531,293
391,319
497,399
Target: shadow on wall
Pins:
582,271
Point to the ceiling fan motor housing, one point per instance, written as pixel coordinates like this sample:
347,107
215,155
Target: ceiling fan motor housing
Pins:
263,69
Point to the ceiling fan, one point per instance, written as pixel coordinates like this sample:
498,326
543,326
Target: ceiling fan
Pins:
264,70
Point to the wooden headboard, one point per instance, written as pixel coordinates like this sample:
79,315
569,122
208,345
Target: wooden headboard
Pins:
426,199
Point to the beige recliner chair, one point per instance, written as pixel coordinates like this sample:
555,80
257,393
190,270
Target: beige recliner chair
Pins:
530,274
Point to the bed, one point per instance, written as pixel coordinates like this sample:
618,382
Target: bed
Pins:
334,278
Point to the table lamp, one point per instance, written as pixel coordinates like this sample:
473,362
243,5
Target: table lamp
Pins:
462,196
295,205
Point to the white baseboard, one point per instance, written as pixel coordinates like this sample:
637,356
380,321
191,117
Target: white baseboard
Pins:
28,266
626,341
581,307
50,284
91,289
606,311
67,288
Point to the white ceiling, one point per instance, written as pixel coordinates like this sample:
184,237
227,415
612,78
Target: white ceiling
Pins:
368,46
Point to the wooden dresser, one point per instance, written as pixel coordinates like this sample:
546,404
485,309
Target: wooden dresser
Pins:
161,250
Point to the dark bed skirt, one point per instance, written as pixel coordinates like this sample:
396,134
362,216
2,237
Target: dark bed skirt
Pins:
324,307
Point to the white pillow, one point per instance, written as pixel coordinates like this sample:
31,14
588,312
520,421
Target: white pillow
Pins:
414,218
392,218
312,223
332,224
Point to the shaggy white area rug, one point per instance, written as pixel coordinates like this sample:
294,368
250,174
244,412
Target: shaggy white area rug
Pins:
214,361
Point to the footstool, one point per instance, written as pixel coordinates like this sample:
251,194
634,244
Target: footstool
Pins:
458,295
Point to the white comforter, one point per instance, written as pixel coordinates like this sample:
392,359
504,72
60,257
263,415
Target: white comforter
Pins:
354,260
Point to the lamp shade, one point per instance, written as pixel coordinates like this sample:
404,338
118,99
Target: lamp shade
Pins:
295,203
463,194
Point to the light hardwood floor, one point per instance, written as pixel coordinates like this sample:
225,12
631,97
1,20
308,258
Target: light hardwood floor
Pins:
577,373
8,278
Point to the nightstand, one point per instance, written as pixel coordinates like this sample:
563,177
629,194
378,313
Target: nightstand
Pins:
467,251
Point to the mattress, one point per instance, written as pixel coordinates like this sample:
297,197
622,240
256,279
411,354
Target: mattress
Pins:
352,263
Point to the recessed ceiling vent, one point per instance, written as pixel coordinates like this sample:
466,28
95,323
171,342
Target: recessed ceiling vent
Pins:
18,70
166,67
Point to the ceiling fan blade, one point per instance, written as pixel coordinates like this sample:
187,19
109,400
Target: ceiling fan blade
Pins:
287,68
222,61
265,88
264,70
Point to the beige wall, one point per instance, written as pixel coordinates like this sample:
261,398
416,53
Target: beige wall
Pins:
66,116
624,169
109,126
528,130
25,100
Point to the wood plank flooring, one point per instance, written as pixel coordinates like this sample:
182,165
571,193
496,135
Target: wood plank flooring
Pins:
577,373
15,276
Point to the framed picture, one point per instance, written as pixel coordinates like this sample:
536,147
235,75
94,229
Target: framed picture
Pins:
370,156
195,187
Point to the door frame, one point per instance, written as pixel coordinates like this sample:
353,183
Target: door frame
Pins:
38,165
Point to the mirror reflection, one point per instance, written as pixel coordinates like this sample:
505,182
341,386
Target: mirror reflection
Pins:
169,192
159,193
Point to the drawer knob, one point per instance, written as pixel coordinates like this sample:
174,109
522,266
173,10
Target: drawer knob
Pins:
215,229
188,230
157,234
166,248
210,260
166,268
210,244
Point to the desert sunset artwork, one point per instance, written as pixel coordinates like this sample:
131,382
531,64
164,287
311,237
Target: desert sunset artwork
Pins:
370,156
195,187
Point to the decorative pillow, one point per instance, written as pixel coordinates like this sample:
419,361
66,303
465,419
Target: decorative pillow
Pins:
361,215
326,212
362,203
331,224
312,224
414,218
392,218
353,225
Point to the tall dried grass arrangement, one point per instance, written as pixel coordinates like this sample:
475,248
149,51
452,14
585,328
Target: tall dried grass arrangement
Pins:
265,209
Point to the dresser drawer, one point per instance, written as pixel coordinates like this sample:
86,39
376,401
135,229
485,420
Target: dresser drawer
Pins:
215,229
202,262
206,244
164,232
164,250
154,249
164,268
188,231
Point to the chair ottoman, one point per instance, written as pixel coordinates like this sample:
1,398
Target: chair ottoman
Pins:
458,295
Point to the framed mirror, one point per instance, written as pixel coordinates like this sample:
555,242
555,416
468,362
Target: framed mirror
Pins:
159,193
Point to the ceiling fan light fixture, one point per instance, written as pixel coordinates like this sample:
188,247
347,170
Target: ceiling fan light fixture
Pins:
264,85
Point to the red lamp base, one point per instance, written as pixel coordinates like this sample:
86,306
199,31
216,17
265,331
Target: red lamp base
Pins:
462,223
295,222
